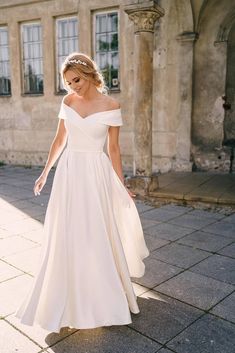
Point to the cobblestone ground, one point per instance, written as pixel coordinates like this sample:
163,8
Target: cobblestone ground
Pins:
186,297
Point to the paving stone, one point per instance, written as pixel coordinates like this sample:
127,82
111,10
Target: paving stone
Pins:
142,207
205,241
230,218
14,341
179,255
204,195
226,229
15,192
160,215
40,218
219,267
161,317
168,231
171,192
27,261
113,339
177,209
38,334
164,350
25,204
154,243
13,245
192,288
226,308
156,272
138,289
146,223
12,215
4,205
22,226
20,182
12,293
207,335
11,197
228,250
35,235
5,233
34,211
191,221
40,200
7,271
206,214
226,198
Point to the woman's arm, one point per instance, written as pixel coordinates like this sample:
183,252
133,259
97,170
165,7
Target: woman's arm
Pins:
115,155
56,148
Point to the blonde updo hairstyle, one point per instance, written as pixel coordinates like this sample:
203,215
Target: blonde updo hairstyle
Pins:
85,68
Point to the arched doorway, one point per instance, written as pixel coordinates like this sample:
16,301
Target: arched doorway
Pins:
214,57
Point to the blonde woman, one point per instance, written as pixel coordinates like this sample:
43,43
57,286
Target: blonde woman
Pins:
93,240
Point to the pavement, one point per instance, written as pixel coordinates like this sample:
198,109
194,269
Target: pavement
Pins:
186,296
214,188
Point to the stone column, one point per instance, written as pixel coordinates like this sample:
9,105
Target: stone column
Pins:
184,112
144,16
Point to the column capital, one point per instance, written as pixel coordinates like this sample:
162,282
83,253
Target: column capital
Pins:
144,15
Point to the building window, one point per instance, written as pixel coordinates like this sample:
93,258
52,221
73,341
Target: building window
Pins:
32,58
106,47
5,81
66,43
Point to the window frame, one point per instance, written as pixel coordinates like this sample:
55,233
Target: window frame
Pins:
9,94
22,24
57,68
100,12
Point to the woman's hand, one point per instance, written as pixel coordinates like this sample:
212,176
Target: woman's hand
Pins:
39,184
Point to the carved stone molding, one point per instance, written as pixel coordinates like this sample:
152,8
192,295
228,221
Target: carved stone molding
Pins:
144,15
187,37
144,20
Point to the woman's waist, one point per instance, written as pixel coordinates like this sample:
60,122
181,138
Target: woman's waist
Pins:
77,148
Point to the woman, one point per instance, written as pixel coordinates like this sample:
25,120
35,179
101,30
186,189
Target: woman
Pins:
93,239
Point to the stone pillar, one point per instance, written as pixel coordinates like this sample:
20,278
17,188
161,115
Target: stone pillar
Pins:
144,16
184,112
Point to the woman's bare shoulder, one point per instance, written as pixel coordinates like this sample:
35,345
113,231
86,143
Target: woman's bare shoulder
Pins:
112,103
68,98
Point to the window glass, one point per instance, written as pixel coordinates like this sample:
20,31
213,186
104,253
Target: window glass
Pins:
66,43
5,79
106,47
32,58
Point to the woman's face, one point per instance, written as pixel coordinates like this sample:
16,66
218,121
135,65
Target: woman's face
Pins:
76,83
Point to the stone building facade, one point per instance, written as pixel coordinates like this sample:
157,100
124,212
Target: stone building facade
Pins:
170,63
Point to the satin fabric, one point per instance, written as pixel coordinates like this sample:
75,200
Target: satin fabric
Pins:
93,242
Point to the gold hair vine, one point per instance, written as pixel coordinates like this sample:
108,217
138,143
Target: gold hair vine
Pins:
78,61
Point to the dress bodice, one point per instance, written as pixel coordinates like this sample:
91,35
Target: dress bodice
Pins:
90,133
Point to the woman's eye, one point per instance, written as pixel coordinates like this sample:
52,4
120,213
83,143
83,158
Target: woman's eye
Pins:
77,80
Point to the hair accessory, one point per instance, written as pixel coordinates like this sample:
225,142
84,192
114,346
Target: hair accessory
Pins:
78,61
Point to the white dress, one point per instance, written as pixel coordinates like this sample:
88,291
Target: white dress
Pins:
93,239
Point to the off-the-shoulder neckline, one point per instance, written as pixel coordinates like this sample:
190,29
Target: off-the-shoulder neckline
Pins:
88,116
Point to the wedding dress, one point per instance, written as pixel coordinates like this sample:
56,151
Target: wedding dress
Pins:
93,240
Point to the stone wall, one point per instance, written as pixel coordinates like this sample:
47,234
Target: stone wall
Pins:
28,123
189,80
172,78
